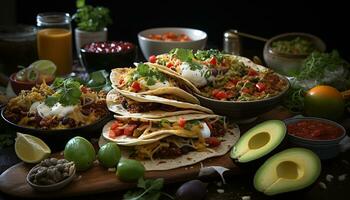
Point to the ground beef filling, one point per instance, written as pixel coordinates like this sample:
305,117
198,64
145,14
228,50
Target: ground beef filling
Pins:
142,107
172,151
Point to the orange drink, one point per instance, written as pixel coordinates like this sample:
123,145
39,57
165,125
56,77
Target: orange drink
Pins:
55,44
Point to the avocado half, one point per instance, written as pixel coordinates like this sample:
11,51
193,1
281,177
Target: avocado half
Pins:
288,170
259,141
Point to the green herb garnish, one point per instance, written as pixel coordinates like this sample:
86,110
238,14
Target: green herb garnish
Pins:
163,122
99,80
91,18
185,55
206,54
190,124
151,75
67,92
149,189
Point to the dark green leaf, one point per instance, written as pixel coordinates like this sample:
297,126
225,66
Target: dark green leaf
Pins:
80,3
51,100
151,81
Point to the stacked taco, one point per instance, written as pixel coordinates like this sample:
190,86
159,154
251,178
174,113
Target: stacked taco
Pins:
161,124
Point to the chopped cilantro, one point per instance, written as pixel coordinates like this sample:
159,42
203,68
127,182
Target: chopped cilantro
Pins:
67,92
151,75
206,54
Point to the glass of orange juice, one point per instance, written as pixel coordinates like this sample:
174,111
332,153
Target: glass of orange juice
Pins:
54,40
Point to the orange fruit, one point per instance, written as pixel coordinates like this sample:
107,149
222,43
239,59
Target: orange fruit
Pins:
324,101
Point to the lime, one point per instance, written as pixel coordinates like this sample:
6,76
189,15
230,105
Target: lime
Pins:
130,170
81,152
44,67
325,102
109,155
31,149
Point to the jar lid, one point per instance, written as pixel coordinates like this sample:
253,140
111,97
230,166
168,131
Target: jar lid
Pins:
17,33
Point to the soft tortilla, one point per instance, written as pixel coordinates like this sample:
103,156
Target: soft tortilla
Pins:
190,158
120,73
156,99
120,110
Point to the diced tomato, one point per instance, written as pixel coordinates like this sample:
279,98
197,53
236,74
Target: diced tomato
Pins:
169,65
136,86
246,90
115,125
260,86
152,59
129,129
114,133
234,81
213,61
121,81
212,141
221,95
214,92
252,72
182,122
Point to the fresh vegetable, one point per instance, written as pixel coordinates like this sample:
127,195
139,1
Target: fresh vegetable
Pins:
67,92
89,18
151,75
296,46
109,155
81,152
130,170
6,140
182,122
325,102
37,72
194,189
149,189
170,36
31,149
99,80
317,69
152,59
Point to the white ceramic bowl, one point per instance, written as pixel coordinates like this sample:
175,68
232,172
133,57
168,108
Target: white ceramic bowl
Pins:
155,47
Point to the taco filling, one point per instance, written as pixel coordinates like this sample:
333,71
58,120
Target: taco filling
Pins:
183,136
222,76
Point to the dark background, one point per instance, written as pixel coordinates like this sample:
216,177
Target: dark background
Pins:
326,19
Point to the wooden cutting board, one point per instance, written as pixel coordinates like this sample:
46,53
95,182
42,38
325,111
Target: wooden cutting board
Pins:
98,179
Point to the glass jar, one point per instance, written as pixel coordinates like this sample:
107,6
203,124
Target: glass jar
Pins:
17,47
54,40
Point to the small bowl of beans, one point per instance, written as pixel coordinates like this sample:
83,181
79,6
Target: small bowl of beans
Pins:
320,135
51,174
108,55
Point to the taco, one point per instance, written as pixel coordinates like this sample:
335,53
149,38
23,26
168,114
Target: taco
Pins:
146,79
136,105
172,142
222,76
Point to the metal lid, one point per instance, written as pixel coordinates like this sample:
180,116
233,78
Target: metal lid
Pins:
233,34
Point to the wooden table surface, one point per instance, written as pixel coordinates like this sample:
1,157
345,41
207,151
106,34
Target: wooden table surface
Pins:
238,185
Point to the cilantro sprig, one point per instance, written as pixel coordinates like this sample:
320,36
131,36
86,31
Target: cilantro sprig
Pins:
151,75
206,54
67,92
149,189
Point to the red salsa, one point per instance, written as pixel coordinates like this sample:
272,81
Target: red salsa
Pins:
316,130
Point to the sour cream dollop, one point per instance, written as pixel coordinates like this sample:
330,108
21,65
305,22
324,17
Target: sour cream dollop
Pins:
196,76
56,110
205,131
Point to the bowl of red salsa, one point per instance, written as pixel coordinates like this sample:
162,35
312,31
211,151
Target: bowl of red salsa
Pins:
108,55
320,135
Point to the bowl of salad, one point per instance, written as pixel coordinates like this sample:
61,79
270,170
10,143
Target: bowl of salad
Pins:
230,85
285,53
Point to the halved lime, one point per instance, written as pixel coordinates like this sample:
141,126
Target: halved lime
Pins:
44,67
31,149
